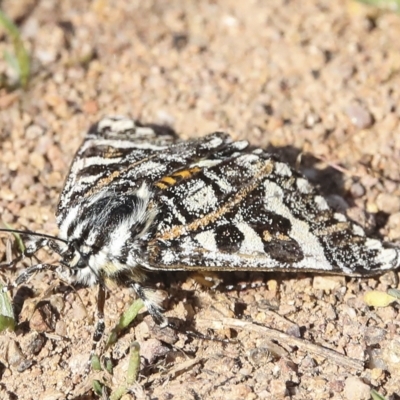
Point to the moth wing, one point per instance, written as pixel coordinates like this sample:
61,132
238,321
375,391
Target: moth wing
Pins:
252,212
119,155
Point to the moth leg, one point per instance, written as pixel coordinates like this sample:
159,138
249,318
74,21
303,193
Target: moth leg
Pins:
31,247
100,324
152,303
148,297
26,274
13,262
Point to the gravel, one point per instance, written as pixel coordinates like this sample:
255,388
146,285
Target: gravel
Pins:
321,79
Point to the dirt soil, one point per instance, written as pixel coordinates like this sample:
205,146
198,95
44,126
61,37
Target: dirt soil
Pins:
317,78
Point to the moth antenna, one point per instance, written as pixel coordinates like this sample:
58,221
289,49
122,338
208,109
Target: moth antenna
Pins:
43,235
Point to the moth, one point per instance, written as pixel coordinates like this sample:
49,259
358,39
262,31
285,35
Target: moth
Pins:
138,199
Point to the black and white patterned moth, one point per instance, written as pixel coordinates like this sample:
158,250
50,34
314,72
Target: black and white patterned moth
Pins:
138,199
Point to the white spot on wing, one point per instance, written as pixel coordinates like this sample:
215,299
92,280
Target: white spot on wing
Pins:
168,257
220,180
247,159
120,144
205,163
252,242
144,192
116,124
314,256
303,185
357,230
240,145
339,217
388,258
202,199
82,163
214,142
373,244
207,240
171,203
321,203
282,169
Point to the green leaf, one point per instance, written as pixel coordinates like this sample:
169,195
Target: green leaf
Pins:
391,5
95,361
134,364
98,387
376,396
109,366
21,55
126,318
117,394
394,293
17,236
11,61
7,320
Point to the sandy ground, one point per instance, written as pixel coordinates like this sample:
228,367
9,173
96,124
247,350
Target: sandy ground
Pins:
322,78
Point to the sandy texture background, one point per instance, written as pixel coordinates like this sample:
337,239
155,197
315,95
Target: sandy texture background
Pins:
311,77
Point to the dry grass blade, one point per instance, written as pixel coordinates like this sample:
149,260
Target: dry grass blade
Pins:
273,334
175,370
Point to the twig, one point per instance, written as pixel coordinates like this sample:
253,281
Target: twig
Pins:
273,334
176,370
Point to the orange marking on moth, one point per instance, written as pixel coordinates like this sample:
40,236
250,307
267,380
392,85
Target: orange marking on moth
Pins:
176,177
168,180
187,173
161,185
178,230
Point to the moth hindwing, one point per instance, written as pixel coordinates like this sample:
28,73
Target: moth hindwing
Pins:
138,199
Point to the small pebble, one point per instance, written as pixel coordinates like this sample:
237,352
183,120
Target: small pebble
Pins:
14,354
394,226
356,389
37,161
34,132
388,203
61,328
52,395
79,312
36,343
357,190
359,116
328,283
311,120
391,356
374,335
152,349
375,360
